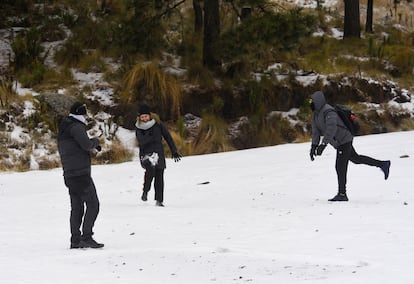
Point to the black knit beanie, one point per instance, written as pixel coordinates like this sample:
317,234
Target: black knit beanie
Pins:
144,109
78,108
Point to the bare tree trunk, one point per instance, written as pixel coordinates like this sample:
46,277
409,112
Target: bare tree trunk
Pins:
370,14
211,33
198,16
246,11
352,26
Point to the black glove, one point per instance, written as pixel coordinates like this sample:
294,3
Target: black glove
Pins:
320,149
98,148
176,156
313,151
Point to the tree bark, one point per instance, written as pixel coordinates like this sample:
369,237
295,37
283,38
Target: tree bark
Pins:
370,14
352,26
198,16
211,33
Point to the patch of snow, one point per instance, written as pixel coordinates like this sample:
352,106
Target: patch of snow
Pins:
337,33
192,123
285,114
87,79
408,106
179,72
289,115
103,95
308,80
362,59
29,109
112,64
311,4
102,116
51,48
34,165
24,91
6,52
18,135
235,128
319,33
127,138
274,67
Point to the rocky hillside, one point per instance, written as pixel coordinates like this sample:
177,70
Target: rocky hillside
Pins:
258,99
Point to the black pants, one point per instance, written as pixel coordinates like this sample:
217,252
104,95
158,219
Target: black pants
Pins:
82,191
158,174
346,153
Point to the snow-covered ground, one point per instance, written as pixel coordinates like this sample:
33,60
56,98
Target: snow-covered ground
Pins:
262,218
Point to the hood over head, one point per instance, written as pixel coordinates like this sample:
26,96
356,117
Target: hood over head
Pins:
318,99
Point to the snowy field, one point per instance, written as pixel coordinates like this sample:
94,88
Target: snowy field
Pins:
262,218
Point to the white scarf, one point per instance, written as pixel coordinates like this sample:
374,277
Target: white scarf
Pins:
81,118
145,125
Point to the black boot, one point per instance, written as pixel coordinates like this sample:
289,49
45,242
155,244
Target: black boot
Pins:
159,203
75,242
385,167
75,245
90,243
144,196
339,197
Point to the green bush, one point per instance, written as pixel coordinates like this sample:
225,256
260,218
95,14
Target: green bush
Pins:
402,58
32,76
27,49
281,31
92,63
69,54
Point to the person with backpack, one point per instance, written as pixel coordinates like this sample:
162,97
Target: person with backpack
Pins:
149,133
75,148
327,123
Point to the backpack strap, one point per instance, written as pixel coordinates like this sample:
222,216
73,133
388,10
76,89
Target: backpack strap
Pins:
334,110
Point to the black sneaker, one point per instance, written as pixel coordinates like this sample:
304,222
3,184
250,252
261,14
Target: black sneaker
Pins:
339,197
385,167
144,196
75,245
159,203
90,243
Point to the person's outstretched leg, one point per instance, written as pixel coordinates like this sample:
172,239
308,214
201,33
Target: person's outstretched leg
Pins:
361,159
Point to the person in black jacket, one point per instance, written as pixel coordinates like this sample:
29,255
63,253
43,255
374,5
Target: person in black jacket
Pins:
149,134
75,147
326,123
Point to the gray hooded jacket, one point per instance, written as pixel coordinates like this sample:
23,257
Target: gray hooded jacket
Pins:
327,123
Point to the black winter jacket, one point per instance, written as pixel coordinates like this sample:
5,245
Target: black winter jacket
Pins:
74,147
150,141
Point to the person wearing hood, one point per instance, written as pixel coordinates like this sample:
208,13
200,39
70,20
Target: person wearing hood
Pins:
75,149
149,133
327,123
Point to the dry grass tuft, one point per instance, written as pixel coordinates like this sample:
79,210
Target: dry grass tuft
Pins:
149,82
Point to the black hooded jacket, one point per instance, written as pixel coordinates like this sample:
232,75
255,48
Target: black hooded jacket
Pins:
74,147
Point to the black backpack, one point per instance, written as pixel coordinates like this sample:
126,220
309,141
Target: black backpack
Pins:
349,118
